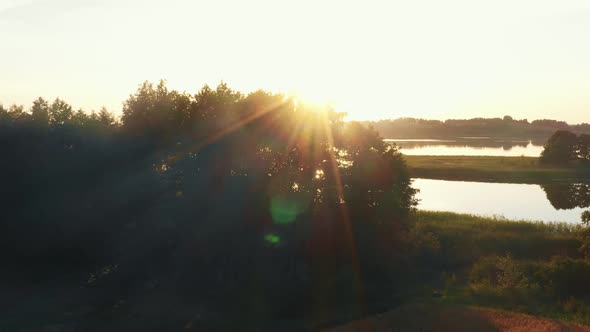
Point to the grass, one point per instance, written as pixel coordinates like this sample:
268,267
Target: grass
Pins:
464,238
521,266
493,169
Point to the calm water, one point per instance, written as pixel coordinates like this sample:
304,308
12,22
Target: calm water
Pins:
512,201
469,146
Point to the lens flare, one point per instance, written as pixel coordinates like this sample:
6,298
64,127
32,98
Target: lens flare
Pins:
272,238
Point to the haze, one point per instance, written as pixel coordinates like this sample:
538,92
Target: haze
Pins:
372,59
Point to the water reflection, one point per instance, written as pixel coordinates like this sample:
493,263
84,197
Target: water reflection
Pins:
568,195
470,146
547,203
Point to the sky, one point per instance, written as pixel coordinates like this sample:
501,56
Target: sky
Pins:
372,59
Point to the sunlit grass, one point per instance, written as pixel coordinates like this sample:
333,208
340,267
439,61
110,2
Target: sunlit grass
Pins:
493,169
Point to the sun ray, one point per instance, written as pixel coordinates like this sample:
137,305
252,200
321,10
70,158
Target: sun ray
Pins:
344,215
225,131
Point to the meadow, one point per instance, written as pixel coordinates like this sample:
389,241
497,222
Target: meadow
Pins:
494,169
520,266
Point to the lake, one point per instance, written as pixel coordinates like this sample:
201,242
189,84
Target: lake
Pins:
549,203
470,146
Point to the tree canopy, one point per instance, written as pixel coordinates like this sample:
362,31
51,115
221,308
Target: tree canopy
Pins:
564,147
218,189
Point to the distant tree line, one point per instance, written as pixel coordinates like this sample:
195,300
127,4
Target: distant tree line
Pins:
207,193
505,127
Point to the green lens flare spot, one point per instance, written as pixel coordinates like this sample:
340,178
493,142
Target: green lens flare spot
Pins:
284,210
272,238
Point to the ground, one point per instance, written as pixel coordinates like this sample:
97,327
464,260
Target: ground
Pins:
431,317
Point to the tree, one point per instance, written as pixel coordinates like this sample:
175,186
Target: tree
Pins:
561,148
211,183
40,112
60,112
79,118
105,117
585,233
156,111
584,147
17,114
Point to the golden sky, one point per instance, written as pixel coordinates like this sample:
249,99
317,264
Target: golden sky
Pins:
372,59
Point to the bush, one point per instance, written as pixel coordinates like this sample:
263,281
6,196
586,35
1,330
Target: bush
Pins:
501,271
566,277
585,233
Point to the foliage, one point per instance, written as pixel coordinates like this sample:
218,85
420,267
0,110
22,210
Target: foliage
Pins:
560,148
480,127
528,267
500,271
211,191
585,233
564,147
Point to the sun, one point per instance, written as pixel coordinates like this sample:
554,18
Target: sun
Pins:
316,102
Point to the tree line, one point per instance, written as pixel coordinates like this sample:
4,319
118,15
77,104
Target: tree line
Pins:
205,193
476,127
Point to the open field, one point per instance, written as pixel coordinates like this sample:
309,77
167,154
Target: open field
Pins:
493,169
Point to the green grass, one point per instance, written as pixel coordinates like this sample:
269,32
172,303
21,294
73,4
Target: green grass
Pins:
462,250
493,169
462,239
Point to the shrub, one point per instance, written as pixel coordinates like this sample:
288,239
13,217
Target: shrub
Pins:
501,271
566,277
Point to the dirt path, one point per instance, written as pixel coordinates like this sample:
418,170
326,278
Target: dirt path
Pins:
422,317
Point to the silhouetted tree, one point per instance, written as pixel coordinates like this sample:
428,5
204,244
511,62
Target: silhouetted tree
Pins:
585,233
560,148
583,147
105,118
539,130
40,112
156,111
60,112
214,191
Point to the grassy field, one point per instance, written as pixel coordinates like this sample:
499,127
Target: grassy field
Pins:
528,267
493,169
470,273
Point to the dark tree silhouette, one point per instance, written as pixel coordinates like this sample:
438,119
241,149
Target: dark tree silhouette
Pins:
584,147
561,148
236,201
497,128
40,112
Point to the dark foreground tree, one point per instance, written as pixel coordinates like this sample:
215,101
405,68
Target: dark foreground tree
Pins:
255,207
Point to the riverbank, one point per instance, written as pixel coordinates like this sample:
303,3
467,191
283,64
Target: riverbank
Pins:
520,266
470,273
493,169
